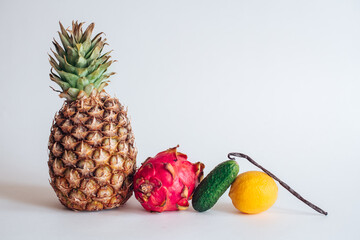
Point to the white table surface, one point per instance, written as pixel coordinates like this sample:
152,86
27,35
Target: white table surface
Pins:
30,211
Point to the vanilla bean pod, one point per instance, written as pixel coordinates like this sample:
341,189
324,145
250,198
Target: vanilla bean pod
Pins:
287,187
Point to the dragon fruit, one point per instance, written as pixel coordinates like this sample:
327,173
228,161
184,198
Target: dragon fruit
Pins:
167,181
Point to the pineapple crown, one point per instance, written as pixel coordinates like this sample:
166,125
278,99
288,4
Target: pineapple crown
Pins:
81,67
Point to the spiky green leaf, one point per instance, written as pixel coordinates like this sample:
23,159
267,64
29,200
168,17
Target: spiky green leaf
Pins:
64,85
80,64
89,88
68,77
98,72
81,83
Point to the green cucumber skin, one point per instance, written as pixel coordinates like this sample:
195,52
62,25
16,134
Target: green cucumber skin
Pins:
213,186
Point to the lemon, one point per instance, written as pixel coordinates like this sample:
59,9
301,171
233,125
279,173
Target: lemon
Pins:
253,192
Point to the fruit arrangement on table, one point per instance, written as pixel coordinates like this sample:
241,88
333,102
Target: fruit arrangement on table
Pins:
92,153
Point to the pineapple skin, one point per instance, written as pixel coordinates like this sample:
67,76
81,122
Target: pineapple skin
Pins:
92,155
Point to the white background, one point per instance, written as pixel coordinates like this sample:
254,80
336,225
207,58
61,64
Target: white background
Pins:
277,80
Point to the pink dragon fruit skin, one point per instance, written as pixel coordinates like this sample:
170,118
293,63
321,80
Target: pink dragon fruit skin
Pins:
167,181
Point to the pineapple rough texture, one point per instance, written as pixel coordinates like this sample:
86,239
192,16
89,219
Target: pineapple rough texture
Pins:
92,154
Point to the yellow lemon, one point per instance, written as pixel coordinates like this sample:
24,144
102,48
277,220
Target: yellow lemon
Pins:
253,192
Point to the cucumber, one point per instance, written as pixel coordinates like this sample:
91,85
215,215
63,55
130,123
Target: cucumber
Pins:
214,185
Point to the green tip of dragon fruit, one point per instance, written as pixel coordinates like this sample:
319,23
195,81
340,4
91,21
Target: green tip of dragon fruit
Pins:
167,181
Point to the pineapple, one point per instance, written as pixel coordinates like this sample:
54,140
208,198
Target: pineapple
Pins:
92,156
